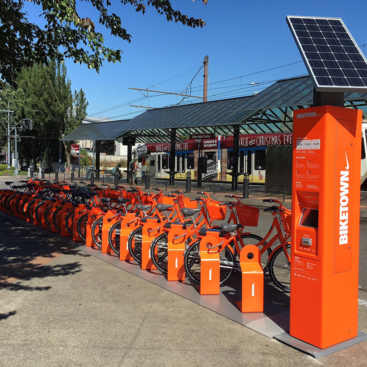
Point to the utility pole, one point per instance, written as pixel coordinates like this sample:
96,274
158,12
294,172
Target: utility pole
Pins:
16,172
206,76
9,147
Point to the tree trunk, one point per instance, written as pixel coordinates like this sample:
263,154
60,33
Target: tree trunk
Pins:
67,154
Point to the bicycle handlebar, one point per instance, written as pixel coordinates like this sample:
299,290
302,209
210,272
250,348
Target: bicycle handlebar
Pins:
268,200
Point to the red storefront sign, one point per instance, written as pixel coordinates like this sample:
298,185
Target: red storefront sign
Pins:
74,149
251,140
259,140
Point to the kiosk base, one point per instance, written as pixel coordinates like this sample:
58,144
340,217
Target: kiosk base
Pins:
315,352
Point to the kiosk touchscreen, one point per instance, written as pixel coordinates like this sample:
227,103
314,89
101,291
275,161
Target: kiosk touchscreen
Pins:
325,228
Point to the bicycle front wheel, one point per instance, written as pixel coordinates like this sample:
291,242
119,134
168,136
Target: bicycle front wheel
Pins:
135,243
114,237
97,232
69,222
192,263
56,219
280,269
82,227
47,215
159,252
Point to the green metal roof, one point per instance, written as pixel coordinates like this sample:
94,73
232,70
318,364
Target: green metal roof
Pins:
108,130
270,111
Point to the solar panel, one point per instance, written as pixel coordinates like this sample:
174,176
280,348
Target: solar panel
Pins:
330,53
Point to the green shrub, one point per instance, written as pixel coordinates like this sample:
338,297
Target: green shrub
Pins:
3,167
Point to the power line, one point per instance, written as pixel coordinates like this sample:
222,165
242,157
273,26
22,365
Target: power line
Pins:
186,72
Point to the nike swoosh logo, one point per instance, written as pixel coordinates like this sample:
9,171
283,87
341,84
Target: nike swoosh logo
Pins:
346,158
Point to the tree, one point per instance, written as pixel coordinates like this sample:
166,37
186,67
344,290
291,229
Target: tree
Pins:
10,100
66,33
74,118
53,108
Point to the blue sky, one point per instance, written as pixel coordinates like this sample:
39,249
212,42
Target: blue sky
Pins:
241,37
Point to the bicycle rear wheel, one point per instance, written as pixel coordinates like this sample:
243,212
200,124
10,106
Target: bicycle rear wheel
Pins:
280,269
114,237
97,232
192,263
134,243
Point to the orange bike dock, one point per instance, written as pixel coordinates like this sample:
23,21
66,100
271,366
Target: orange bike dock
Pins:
273,322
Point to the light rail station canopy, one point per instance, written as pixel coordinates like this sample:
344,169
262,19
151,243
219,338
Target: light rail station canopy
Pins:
106,130
270,111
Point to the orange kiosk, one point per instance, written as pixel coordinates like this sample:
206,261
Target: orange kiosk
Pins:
325,231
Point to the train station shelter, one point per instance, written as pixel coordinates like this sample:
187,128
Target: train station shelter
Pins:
268,112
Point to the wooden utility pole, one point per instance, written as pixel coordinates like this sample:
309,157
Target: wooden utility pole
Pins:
206,76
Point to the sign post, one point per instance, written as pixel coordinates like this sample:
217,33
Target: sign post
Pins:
75,149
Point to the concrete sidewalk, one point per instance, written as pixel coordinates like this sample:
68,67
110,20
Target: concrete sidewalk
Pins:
61,307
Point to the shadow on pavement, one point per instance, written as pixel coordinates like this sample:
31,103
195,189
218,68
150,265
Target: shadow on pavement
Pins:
25,253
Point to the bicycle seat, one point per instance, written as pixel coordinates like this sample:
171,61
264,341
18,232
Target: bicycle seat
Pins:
190,212
145,208
163,207
230,227
8,182
123,201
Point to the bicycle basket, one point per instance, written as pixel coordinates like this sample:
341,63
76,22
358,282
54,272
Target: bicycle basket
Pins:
286,219
185,202
216,212
247,215
168,200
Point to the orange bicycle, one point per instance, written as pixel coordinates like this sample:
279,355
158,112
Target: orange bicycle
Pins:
192,231
277,260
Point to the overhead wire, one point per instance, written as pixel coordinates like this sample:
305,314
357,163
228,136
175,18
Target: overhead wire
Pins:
220,81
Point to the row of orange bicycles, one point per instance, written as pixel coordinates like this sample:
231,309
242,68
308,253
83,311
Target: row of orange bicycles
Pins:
139,226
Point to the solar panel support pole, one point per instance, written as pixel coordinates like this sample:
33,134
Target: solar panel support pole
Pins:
328,99
236,153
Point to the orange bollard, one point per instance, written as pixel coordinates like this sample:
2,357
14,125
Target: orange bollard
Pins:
151,229
176,250
210,266
252,280
107,223
93,214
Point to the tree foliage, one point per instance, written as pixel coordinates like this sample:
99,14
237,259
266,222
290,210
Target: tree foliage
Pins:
66,33
53,108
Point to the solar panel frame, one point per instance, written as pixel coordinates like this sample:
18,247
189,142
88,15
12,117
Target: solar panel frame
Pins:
325,43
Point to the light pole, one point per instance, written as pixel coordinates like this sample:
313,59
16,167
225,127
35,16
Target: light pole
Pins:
16,172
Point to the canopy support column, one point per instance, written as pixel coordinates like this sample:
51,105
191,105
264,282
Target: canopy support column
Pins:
236,153
98,158
129,159
172,157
